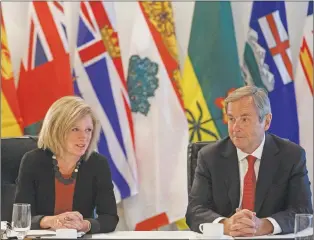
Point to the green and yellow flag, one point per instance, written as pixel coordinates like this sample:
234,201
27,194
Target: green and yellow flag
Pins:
11,121
211,70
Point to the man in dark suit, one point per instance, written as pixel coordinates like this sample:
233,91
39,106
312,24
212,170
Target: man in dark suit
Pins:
252,181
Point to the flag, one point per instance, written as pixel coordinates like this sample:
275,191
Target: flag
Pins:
212,68
160,126
267,64
11,121
100,80
45,73
304,90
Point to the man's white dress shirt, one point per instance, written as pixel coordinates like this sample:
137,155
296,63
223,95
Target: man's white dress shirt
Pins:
243,167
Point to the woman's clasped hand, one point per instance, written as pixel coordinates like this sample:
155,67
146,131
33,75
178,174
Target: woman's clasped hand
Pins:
73,220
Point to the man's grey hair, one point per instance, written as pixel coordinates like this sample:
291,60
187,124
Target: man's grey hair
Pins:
260,99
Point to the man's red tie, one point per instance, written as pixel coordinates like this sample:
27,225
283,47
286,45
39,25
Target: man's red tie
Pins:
248,199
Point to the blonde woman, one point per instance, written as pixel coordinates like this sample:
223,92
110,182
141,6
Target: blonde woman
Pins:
64,180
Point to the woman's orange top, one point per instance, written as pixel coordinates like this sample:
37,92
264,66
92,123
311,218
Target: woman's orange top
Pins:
63,196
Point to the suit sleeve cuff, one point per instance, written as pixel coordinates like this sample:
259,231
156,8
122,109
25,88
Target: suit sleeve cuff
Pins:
35,224
217,220
94,227
277,228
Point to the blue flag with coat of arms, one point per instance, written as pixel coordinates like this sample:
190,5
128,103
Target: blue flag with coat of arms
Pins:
268,64
100,80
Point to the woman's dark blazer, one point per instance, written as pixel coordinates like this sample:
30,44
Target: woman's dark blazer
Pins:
93,189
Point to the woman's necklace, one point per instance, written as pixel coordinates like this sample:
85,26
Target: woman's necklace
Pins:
58,174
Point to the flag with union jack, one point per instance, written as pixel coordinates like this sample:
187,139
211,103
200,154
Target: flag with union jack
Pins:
45,73
267,64
100,81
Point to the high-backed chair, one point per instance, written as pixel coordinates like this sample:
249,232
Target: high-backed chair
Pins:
193,149
12,151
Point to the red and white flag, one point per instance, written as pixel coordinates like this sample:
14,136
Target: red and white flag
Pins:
160,125
45,73
304,90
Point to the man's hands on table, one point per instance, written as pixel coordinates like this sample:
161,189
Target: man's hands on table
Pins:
244,223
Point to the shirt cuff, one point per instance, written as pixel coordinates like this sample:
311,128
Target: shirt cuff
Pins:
217,220
277,228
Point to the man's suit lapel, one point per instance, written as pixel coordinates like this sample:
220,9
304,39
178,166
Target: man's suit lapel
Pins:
232,179
268,167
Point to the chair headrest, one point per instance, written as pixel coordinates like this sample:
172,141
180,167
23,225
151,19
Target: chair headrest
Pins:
12,151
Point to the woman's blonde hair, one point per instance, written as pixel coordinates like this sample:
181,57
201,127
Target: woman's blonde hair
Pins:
59,120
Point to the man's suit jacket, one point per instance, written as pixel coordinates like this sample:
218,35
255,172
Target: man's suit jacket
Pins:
93,188
282,188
